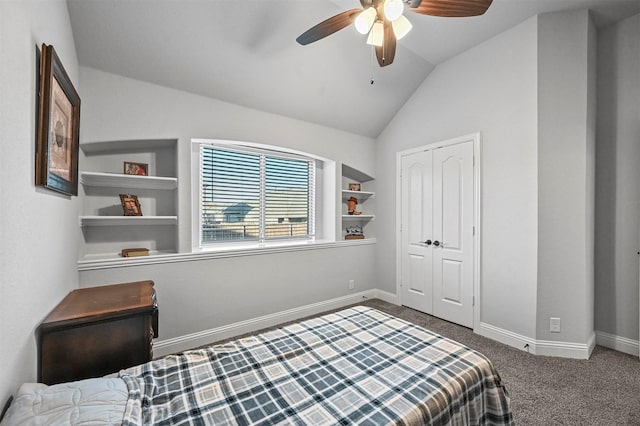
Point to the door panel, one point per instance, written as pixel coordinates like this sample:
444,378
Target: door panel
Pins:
451,202
453,228
416,258
452,281
416,180
417,285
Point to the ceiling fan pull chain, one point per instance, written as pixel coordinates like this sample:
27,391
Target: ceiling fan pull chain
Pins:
384,58
372,65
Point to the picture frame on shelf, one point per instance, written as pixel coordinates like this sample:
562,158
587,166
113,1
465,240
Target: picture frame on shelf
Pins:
354,232
140,169
58,126
130,205
354,187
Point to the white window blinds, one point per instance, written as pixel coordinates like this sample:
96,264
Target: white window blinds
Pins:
255,196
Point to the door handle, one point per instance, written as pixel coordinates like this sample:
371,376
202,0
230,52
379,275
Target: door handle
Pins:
428,242
436,243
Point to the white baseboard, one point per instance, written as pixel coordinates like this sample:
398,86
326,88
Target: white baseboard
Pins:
188,341
538,347
507,337
618,343
385,296
566,349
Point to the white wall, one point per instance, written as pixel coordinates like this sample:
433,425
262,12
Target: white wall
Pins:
566,151
38,228
492,89
201,295
617,179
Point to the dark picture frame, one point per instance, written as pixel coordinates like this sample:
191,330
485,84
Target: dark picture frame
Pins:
130,205
139,169
354,186
58,131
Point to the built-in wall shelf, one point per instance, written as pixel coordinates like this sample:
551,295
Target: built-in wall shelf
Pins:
355,174
127,220
105,229
99,179
127,146
365,202
357,217
100,259
346,193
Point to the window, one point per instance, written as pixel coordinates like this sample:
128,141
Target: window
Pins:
254,195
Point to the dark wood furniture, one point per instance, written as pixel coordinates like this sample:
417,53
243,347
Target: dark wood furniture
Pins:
97,331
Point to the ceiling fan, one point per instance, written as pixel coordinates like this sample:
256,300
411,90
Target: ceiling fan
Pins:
384,22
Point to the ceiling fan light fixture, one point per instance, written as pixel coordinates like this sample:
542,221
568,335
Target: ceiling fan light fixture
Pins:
385,23
365,20
401,27
393,9
377,34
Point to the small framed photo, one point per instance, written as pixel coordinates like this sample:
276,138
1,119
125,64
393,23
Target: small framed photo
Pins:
58,126
140,169
354,187
130,205
354,232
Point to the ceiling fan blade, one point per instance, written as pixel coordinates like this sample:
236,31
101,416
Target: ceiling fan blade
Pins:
328,27
387,52
451,8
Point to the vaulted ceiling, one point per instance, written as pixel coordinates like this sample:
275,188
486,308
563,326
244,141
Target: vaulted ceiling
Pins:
244,51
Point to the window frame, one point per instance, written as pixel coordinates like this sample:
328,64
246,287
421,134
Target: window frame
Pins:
320,211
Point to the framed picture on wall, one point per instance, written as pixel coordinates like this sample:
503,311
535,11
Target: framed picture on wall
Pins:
58,127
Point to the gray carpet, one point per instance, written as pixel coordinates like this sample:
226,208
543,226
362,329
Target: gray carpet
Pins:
601,391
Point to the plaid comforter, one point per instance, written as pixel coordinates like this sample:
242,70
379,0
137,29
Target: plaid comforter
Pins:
357,366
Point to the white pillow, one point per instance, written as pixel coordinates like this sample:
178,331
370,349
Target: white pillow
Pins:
98,401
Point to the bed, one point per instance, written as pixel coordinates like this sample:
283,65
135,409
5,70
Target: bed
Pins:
356,366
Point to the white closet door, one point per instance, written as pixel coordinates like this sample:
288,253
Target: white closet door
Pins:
416,187
437,196
453,230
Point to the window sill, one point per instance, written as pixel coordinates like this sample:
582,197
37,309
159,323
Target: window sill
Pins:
206,254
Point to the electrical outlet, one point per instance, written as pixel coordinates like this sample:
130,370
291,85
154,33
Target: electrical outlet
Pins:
554,325
352,284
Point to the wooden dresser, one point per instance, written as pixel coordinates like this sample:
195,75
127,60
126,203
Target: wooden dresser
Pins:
97,331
